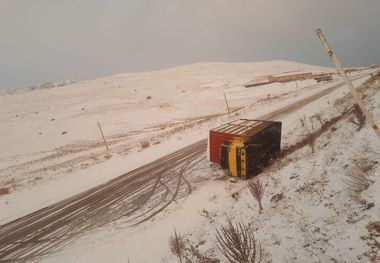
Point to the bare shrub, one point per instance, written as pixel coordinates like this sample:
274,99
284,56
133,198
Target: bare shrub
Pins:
312,123
367,164
371,239
144,144
257,190
237,243
177,245
303,120
4,190
318,117
311,135
357,181
277,197
340,104
358,117
310,140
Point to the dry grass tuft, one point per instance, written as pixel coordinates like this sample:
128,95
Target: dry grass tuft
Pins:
319,118
371,240
177,245
357,180
303,121
4,190
367,164
310,139
257,190
237,243
340,104
277,197
358,118
144,144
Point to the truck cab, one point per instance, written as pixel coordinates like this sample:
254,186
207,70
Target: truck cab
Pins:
244,147
237,158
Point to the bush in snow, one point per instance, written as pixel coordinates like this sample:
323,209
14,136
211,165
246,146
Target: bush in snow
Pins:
4,190
359,118
237,243
177,245
144,144
357,180
257,191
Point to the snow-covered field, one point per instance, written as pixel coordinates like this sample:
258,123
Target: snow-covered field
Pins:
52,149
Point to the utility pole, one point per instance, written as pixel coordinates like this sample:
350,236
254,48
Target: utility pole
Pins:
225,98
104,139
343,74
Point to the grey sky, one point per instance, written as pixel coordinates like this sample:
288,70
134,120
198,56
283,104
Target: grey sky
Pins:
51,40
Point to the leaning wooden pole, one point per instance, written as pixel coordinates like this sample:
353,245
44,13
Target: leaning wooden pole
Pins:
343,74
104,138
225,99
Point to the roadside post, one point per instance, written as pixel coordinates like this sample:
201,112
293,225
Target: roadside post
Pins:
104,139
225,98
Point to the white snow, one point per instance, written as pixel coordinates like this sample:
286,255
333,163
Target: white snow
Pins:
41,165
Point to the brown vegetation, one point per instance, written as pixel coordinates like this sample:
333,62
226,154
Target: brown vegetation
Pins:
357,180
237,243
311,138
177,245
318,117
185,251
303,121
257,190
358,118
371,239
4,190
144,144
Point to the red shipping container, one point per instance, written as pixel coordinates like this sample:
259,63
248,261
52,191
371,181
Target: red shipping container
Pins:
241,129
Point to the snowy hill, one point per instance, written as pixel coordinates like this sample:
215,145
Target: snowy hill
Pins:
53,149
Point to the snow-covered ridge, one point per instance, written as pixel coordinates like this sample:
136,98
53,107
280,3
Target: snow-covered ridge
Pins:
197,71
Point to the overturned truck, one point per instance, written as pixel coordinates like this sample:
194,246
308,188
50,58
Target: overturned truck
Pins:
243,147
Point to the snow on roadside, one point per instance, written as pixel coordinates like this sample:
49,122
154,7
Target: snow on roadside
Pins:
313,218
53,146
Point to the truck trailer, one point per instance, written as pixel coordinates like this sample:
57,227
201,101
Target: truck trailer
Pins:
243,147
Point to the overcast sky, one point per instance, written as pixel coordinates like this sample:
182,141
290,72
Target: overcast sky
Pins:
51,40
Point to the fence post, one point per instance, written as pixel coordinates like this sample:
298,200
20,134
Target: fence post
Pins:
225,98
104,139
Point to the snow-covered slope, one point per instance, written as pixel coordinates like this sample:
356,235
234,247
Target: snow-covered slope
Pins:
41,126
309,212
120,102
54,149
